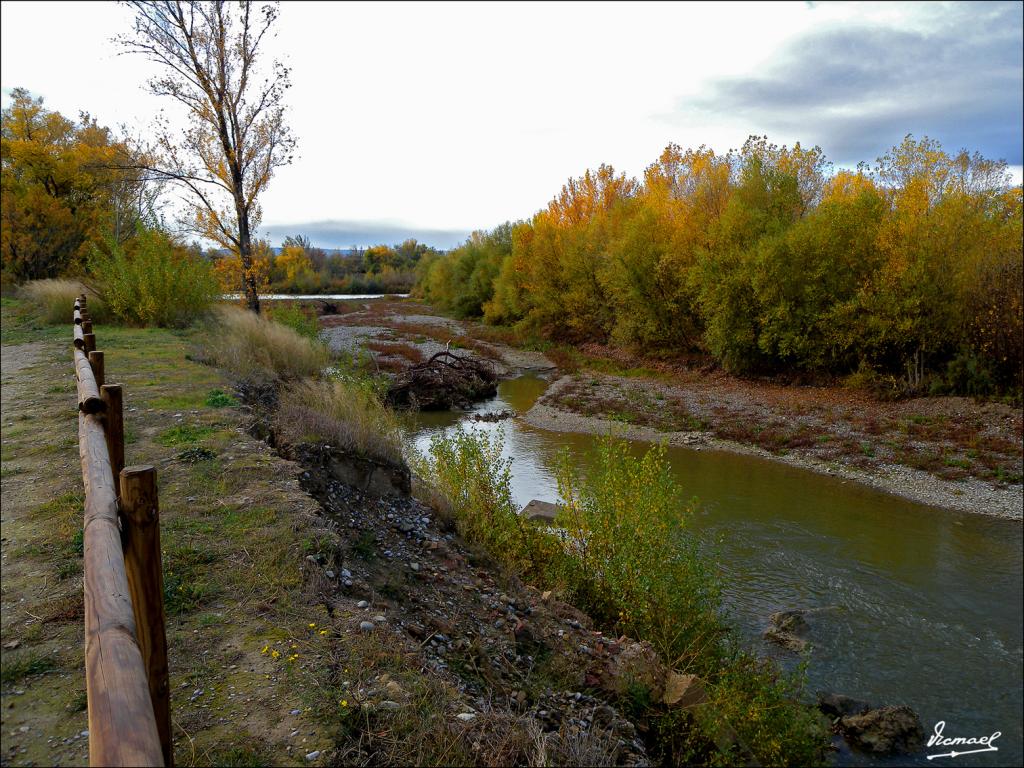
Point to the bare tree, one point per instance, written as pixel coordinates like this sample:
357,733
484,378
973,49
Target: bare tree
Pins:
237,136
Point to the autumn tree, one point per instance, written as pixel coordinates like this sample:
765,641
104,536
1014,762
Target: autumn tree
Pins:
211,56
60,190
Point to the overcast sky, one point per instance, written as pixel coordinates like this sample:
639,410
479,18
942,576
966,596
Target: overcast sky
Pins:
431,120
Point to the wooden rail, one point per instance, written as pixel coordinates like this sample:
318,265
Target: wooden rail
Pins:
125,639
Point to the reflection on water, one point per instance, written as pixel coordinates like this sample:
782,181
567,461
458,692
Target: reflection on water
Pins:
907,604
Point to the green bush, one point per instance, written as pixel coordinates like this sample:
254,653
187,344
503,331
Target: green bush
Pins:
302,322
153,281
637,565
464,468
54,300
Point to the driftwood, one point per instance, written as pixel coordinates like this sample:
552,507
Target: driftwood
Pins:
442,382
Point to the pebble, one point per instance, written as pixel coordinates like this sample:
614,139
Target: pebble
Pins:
346,573
311,756
414,566
330,574
362,604
379,619
366,626
390,705
465,716
84,734
294,712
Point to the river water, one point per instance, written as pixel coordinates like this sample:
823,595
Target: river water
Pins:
907,604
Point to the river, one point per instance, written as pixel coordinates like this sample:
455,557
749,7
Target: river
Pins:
907,604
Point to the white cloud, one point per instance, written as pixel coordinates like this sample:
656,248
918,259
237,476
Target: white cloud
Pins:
453,116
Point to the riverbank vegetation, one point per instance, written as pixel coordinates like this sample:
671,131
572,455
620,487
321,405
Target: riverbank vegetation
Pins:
905,276
625,556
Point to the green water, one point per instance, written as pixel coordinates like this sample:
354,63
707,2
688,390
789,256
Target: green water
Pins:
908,604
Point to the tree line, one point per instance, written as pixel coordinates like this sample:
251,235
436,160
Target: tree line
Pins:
905,274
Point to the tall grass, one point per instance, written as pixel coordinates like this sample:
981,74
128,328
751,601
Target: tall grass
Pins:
629,560
153,281
54,300
249,345
347,413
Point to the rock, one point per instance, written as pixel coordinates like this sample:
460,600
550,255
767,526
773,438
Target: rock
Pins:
884,731
12,645
379,619
540,510
362,604
392,705
366,626
636,664
683,691
330,574
295,712
465,716
311,756
786,629
527,641
838,705
414,566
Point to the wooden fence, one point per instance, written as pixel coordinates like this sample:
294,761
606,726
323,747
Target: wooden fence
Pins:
125,642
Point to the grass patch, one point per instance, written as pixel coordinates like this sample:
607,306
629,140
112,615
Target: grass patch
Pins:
183,434
219,399
17,666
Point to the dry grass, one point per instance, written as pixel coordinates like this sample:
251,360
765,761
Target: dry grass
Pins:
345,413
247,344
55,299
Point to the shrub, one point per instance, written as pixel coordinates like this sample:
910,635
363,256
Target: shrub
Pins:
465,469
250,345
55,299
346,413
638,566
302,322
153,281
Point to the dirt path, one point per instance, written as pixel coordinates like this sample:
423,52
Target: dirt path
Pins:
44,698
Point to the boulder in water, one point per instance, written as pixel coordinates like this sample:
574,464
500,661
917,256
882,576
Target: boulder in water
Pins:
786,629
884,731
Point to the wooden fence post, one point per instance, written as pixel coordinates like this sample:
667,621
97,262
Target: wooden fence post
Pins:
90,341
113,429
96,361
140,520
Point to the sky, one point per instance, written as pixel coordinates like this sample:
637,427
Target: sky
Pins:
431,120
